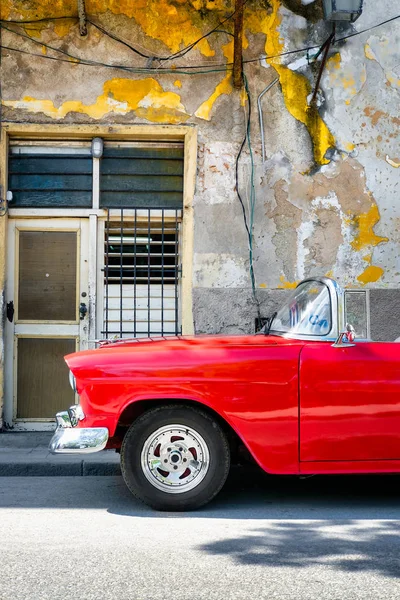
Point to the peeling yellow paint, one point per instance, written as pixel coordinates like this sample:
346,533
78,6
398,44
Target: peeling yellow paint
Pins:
263,285
333,62
392,78
296,88
369,53
178,83
348,78
348,82
286,285
44,50
146,97
391,162
349,147
370,275
365,224
174,23
35,29
61,28
243,97
225,87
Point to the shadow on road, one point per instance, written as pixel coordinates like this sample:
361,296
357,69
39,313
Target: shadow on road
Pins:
248,494
345,545
251,494
343,523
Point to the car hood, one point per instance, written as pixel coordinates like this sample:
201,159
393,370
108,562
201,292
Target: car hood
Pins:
150,347
168,358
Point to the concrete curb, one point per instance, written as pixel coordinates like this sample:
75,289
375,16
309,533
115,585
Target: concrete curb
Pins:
27,454
53,469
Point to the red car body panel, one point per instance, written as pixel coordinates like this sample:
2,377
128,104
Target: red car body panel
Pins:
250,381
298,406
350,402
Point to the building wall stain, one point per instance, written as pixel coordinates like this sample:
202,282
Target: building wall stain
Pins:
328,207
146,97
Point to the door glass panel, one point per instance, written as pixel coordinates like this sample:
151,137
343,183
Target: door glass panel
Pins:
47,276
42,377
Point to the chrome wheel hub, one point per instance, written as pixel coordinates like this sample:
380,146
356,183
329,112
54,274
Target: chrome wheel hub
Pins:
175,459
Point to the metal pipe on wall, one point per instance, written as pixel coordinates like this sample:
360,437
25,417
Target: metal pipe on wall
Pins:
260,116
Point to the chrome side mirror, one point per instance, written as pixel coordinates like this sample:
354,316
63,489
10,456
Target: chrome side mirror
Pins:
346,337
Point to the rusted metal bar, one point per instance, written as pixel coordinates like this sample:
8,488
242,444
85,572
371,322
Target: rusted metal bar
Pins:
238,44
82,17
322,67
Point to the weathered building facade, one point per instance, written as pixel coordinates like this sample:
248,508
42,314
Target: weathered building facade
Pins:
142,231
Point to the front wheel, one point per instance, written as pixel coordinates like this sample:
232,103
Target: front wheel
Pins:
175,458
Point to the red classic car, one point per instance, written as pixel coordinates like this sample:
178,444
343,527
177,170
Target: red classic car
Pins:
302,396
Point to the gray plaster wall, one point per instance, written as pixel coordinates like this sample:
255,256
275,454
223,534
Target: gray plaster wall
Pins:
385,315
334,213
233,311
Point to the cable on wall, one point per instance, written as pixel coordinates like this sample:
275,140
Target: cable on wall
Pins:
176,55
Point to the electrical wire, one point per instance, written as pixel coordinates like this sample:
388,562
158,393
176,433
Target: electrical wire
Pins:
113,36
90,62
134,70
188,48
342,39
87,62
185,67
252,199
248,222
19,22
150,56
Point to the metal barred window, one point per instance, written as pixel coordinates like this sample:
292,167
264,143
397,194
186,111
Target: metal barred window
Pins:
142,273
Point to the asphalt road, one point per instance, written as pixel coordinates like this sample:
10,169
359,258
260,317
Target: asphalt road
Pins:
262,538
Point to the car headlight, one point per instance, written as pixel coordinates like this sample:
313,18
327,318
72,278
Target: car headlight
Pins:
72,381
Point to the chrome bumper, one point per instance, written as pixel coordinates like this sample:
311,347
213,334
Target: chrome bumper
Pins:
68,439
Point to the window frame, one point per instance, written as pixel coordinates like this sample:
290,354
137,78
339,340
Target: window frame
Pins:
55,134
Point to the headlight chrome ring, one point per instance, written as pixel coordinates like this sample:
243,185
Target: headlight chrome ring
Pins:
72,381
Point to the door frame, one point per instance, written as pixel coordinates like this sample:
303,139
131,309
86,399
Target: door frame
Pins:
53,132
78,330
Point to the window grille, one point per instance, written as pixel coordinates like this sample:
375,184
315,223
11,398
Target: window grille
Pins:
142,273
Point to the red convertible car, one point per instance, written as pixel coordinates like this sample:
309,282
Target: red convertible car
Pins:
302,396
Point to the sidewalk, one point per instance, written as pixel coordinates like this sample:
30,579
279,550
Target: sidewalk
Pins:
27,453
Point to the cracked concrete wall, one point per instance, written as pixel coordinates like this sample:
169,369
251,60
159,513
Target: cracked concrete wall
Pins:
327,189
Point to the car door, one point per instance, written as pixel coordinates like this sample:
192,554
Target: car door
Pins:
350,402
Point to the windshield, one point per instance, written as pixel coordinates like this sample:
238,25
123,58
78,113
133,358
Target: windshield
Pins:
307,311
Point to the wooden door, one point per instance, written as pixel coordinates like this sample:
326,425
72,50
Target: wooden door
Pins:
47,284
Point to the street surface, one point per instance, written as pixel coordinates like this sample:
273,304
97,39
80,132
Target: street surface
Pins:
86,538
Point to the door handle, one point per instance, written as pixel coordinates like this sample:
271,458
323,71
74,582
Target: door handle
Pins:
10,311
82,310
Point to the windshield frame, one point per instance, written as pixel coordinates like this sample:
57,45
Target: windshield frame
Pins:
336,297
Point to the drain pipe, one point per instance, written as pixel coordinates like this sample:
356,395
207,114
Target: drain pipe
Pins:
260,116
